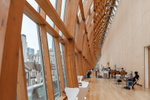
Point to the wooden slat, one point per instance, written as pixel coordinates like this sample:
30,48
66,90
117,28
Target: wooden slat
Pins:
78,49
51,12
71,11
58,52
34,15
70,63
87,7
80,66
10,58
21,84
47,63
81,9
79,37
63,98
4,9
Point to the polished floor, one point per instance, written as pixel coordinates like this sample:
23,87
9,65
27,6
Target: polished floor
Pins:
106,89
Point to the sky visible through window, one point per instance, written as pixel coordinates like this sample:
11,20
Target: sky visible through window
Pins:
29,29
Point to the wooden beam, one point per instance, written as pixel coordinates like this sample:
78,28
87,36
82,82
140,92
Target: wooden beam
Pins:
71,10
53,15
47,64
87,7
21,84
81,9
4,9
46,57
58,53
70,63
35,16
10,58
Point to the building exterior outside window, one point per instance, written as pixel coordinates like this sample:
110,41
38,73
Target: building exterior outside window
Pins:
34,69
63,65
54,66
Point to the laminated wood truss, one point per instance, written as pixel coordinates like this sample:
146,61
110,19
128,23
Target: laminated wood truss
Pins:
84,30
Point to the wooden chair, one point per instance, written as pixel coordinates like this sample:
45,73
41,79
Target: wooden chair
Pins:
112,73
122,73
117,72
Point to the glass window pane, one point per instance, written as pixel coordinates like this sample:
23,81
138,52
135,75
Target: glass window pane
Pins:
92,7
54,67
63,65
33,60
87,19
83,1
54,3
79,13
63,11
76,31
33,4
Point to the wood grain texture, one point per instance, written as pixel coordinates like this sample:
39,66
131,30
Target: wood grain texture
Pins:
10,57
106,89
21,83
47,63
58,52
4,9
34,15
51,12
124,45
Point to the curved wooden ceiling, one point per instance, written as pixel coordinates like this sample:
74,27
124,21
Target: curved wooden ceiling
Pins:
104,11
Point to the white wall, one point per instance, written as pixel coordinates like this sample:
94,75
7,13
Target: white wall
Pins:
127,37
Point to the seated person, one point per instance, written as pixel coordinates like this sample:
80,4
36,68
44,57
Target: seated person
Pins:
88,74
122,69
134,81
129,76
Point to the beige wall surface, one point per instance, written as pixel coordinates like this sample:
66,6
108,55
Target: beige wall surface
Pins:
127,37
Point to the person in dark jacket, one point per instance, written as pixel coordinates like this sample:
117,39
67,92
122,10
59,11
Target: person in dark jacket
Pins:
88,74
134,81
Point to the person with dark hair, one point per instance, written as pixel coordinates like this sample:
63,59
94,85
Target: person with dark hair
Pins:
88,74
122,69
96,73
134,81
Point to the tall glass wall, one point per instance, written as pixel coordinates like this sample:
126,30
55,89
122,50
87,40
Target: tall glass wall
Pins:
33,4
34,69
63,65
53,59
54,66
63,12
54,3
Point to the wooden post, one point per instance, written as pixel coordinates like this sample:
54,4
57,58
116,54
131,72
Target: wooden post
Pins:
47,63
70,43
80,66
10,57
21,84
58,52
70,63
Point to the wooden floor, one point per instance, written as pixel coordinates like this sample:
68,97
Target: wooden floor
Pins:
106,89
